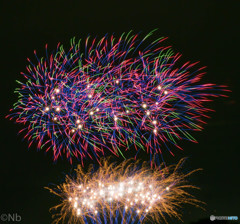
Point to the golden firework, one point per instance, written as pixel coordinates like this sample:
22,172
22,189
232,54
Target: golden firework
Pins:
131,192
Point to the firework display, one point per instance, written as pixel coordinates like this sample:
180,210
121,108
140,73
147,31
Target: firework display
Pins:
125,193
114,95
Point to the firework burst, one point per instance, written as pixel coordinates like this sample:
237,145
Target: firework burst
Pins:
113,95
126,193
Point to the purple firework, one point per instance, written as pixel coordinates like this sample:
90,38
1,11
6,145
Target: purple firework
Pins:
113,95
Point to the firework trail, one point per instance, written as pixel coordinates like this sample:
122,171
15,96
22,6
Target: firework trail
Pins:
125,193
113,95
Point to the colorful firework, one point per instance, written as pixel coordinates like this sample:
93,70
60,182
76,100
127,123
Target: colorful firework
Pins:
112,96
126,193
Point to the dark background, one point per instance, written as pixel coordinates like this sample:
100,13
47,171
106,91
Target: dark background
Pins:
206,31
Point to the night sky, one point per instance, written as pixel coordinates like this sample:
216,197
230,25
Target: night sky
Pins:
205,31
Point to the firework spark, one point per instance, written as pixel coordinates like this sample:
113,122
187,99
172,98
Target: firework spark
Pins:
125,193
112,96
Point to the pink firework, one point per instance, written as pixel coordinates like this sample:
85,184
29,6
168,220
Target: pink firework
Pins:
112,96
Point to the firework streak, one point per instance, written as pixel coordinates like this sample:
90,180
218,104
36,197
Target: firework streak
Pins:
125,193
113,95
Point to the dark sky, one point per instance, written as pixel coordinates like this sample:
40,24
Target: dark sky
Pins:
206,31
